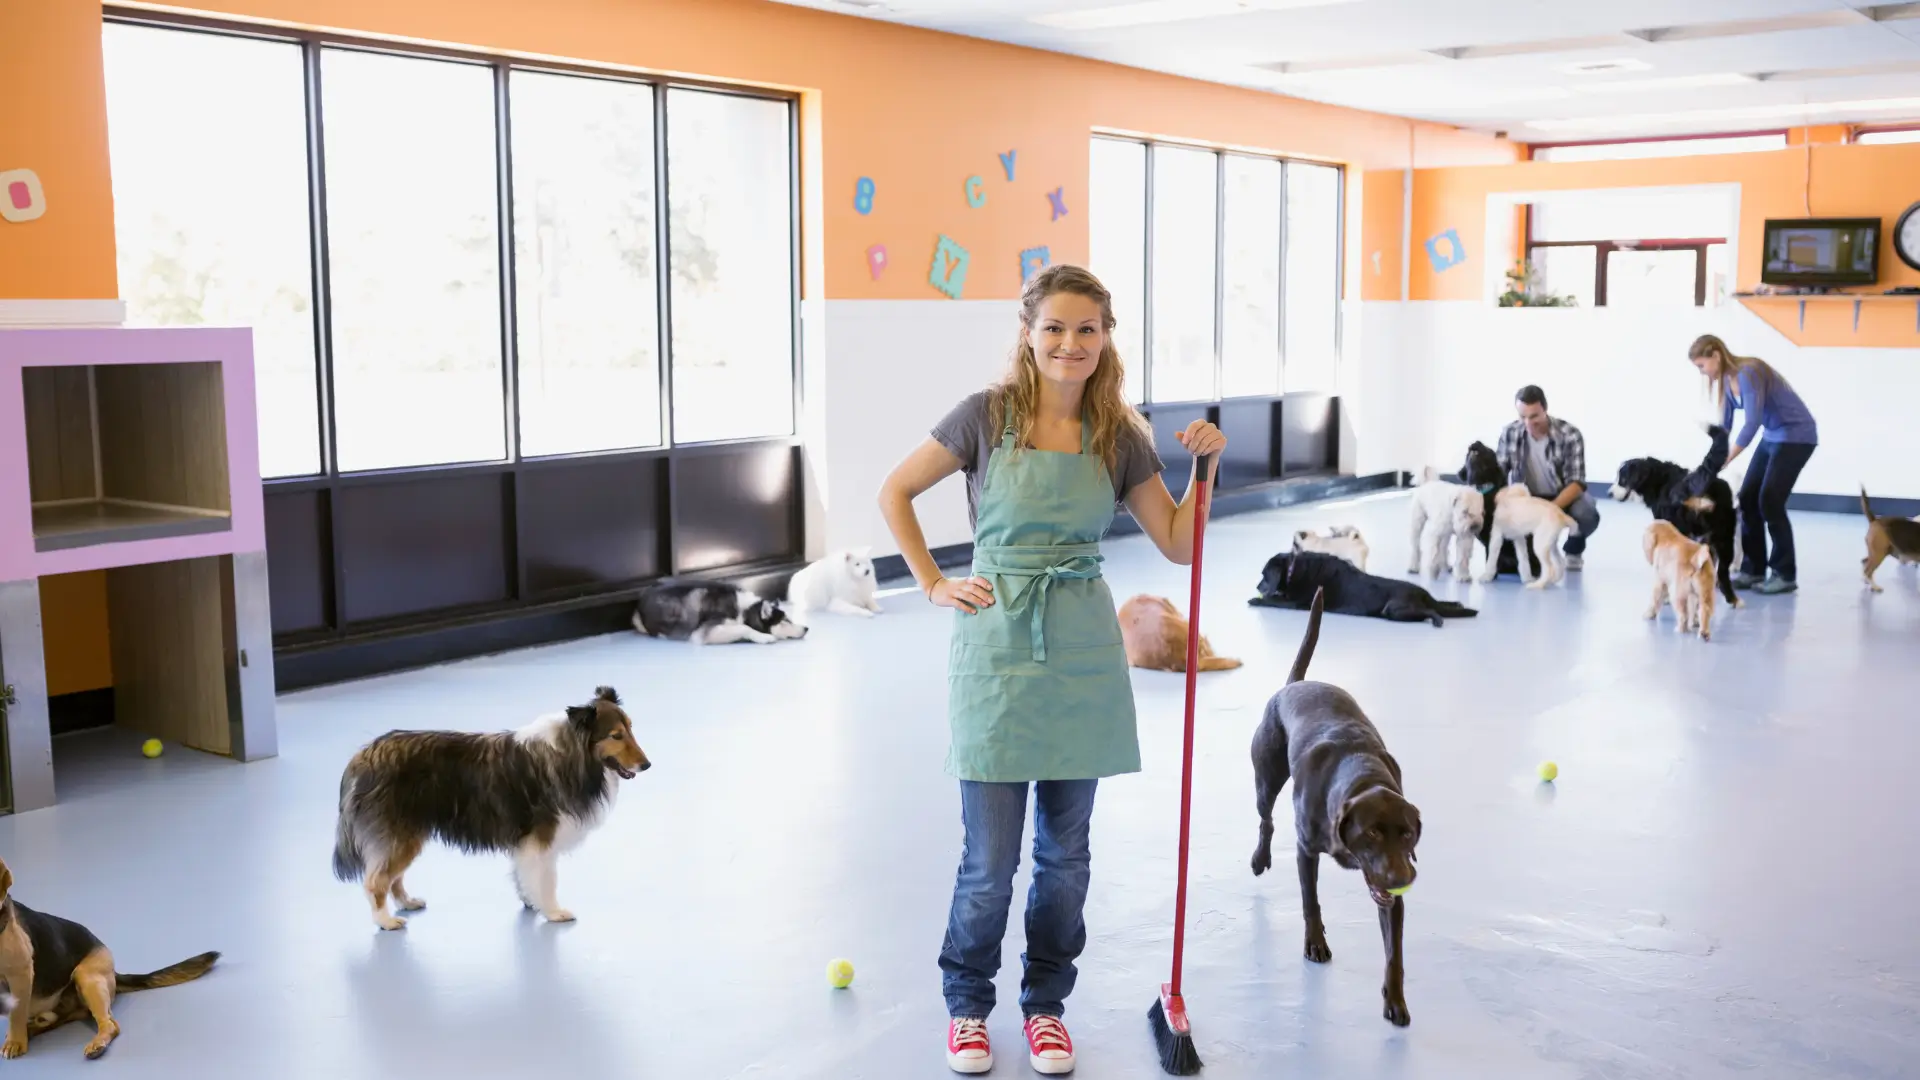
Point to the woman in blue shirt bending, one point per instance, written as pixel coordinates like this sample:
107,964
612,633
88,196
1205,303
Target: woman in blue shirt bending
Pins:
1749,384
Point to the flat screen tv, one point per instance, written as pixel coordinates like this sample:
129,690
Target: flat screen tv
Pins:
1821,251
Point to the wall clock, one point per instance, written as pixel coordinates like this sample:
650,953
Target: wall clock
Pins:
1906,236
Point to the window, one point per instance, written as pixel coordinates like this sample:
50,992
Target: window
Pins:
413,250
1235,259
457,260
1250,315
1117,247
1627,248
1313,282
729,189
226,245
1181,285
1657,148
587,313
1888,135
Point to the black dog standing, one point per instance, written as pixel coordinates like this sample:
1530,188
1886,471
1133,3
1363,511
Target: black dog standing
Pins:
1699,502
1347,803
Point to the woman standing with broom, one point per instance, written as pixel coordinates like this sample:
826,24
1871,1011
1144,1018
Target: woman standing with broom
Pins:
1038,685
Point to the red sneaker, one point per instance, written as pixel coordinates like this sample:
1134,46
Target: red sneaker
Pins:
1048,1047
967,1048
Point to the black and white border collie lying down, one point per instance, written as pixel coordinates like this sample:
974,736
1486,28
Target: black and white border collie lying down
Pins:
711,613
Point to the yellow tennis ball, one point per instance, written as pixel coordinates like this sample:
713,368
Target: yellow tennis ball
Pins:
151,748
1401,891
840,974
1548,770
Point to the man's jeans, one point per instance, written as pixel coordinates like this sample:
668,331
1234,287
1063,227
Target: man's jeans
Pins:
1586,514
995,816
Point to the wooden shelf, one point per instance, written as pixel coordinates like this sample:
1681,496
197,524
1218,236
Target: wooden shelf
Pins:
107,521
1856,299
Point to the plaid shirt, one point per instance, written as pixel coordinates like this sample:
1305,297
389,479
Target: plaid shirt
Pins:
1566,452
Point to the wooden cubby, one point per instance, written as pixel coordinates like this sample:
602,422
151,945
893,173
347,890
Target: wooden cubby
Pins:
119,452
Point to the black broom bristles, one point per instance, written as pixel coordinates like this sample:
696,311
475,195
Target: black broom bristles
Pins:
1170,1035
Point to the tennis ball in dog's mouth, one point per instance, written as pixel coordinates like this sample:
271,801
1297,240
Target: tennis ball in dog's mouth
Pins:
1548,770
151,748
840,973
1401,891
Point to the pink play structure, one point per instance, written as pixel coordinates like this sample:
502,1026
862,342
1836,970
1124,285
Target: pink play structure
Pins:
134,451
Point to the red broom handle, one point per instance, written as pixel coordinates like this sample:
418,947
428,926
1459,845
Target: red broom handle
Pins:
1203,477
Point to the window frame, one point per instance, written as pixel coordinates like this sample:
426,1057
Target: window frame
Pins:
1220,156
1603,248
313,43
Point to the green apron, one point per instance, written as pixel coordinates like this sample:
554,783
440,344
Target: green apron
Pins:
1037,684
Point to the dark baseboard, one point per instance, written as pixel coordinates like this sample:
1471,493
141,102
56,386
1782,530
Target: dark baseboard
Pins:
80,710
1247,500
1850,504
359,656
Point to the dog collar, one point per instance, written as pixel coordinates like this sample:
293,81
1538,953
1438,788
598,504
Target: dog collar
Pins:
1484,489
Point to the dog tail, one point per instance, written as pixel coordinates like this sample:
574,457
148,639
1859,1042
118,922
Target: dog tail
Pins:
349,863
1865,506
1702,559
1218,663
171,975
1451,610
1307,643
1716,458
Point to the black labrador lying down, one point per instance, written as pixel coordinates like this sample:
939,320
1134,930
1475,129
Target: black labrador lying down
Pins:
1294,579
1346,803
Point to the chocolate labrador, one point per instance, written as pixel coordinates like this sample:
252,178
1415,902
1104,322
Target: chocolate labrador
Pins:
1346,803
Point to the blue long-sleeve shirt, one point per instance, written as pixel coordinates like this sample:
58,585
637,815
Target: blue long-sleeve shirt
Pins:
1769,401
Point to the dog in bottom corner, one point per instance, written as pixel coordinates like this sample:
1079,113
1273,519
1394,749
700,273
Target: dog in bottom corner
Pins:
533,794
54,971
1347,803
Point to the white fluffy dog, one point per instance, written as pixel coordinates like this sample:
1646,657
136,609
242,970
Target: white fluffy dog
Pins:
841,583
1342,541
1445,513
1518,514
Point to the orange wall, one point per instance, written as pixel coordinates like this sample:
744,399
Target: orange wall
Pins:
52,111
916,111
1382,213
1815,178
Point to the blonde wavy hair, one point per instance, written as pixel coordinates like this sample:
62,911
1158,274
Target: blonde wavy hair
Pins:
1729,366
1103,403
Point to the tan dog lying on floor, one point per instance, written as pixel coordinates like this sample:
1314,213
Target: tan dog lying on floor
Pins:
56,971
1887,537
1156,637
1683,573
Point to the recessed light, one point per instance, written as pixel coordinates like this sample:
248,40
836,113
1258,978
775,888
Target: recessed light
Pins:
1149,12
1605,67
1674,82
1758,113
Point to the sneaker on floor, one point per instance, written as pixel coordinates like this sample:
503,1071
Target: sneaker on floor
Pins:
1775,585
1575,562
1048,1047
1743,580
968,1050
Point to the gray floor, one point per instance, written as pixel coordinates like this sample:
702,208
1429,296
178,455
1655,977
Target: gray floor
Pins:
1714,887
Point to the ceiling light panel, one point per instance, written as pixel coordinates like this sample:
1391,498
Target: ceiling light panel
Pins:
1747,114
1151,12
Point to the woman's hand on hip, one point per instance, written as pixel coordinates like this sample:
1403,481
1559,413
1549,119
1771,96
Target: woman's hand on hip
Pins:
1203,439
968,594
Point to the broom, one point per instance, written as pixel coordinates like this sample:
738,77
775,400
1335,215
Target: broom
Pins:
1168,1015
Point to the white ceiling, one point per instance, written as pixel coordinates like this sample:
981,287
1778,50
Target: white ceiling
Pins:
1692,66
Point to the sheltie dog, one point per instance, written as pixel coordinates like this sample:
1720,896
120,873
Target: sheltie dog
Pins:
531,793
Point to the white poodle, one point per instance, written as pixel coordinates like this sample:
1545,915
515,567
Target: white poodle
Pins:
1445,513
1518,514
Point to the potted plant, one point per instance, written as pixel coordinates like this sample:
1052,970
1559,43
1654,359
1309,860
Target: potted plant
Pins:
1524,289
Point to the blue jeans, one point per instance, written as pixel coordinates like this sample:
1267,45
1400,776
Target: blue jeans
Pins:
995,815
1763,507
1586,514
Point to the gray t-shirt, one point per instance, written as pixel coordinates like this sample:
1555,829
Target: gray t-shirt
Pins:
1539,472
965,433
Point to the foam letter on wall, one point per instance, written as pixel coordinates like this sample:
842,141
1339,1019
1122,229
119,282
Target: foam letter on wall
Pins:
21,197
1454,255
1058,196
863,195
1006,162
877,260
949,273
1032,261
976,192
